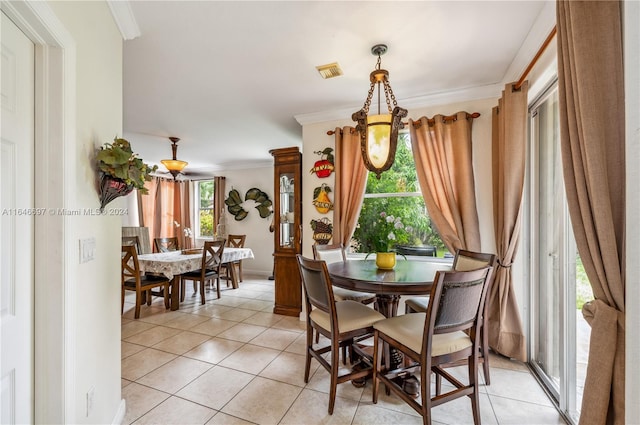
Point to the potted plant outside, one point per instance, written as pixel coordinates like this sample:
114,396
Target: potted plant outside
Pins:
121,171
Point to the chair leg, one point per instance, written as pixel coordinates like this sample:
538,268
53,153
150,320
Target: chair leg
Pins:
218,286
485,356
377,343
307,364
240,271
167,298
149,297
183,289
138,302
473,381
335,361
202,283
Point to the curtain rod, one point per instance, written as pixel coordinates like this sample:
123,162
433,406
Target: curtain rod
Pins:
430,121
535,59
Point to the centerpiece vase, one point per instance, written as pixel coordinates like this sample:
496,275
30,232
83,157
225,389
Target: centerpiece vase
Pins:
386,260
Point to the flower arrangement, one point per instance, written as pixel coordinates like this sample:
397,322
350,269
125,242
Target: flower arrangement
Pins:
388,230
118,161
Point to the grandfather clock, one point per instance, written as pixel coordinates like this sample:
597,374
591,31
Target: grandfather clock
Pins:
287,230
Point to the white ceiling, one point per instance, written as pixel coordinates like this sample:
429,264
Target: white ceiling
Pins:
235,79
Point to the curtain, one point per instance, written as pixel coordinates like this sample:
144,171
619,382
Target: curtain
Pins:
442,153
509,139
591,94
351,182
218,201
167,203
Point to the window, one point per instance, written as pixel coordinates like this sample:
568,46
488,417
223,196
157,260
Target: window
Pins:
205,208
397,193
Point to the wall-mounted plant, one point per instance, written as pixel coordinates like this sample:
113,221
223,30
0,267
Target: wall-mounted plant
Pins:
121,171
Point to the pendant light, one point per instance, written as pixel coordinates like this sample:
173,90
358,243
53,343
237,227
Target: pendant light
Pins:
175,166
379,132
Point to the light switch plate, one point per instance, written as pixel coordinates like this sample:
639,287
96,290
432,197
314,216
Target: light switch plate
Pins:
87,249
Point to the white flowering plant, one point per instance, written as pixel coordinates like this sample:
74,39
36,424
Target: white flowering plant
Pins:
387,231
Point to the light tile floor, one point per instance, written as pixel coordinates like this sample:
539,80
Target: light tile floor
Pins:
231,361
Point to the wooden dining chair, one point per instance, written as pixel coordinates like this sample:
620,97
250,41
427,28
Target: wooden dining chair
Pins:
209,270
234,241
132,240
142,284
465,260
449,332
332,253
166,244
342,322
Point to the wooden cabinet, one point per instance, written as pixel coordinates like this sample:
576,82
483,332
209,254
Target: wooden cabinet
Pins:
287,230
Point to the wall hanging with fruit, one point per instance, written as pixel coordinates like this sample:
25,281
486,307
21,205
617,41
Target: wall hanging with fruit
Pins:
322,230
235,208
321,199
324,166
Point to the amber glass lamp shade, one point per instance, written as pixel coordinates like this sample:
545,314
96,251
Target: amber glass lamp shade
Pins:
174,164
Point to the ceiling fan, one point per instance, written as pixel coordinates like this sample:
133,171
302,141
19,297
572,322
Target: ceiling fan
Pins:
176,167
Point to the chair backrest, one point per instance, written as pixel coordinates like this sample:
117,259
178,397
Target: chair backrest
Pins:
133,241
333,253
130,265
317,285
236,241
457,298
469,260
166,244
212,255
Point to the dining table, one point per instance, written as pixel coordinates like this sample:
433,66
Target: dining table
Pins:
408,277
174,263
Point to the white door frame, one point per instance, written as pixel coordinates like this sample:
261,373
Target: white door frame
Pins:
55,124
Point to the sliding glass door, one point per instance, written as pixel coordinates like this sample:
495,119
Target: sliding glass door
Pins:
557,329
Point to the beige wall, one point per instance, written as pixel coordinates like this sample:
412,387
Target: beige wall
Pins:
96,340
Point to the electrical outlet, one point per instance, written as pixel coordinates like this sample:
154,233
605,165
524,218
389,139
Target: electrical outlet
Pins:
90,395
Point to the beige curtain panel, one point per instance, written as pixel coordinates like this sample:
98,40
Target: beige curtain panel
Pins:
219,190
443,157
167,203
509,144
351,182
591,94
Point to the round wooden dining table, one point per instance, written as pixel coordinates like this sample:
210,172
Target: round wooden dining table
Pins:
409,277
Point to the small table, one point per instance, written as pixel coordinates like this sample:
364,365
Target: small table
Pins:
407,278
173,263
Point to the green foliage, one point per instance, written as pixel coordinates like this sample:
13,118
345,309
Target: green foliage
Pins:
206,222
118,160
584,292
401,178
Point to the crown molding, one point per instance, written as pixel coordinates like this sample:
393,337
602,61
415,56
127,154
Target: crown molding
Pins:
434,99
125,20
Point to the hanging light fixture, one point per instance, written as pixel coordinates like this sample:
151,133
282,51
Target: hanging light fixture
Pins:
175,166
379,133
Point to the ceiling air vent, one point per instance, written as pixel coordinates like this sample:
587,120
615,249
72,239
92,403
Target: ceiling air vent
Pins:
330,70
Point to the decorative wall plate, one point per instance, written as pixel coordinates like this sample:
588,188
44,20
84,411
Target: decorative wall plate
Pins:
321,199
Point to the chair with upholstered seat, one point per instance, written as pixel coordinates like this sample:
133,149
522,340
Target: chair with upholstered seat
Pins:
209,270
335,253
166,244
234,241
342,322
449,332
133,280
465,260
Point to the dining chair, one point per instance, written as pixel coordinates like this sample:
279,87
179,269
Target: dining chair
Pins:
166,244
142,284
448,332
209,269
234,241
342,322
465,260
132,240
333,253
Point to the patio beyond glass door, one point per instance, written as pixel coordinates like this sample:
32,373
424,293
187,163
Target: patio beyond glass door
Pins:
555,340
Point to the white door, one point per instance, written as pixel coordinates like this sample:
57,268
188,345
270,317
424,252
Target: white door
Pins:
16,231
